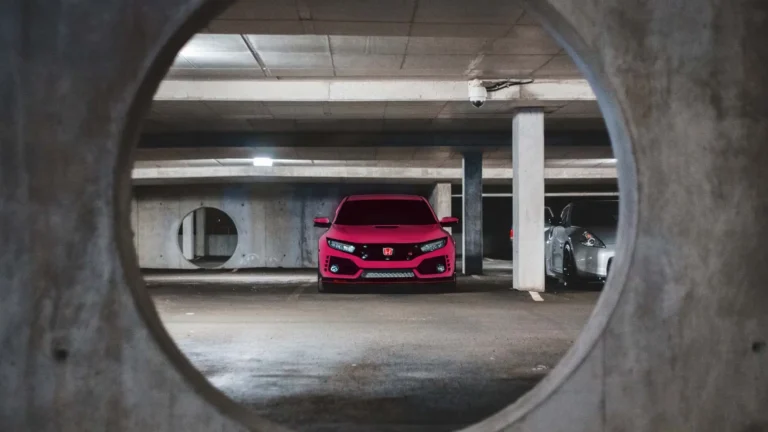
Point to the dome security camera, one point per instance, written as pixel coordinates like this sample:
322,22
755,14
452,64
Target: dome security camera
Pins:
477,93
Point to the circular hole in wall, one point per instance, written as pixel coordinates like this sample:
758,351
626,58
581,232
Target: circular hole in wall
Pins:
324,364
207,237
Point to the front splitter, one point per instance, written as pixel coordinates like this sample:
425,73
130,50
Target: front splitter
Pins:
447,283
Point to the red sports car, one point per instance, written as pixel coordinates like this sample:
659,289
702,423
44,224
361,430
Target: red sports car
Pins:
385,239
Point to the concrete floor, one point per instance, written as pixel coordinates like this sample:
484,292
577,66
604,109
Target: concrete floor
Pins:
408,360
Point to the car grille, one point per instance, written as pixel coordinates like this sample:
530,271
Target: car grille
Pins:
400,252
387,274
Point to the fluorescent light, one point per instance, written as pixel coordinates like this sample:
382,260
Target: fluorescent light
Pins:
262,161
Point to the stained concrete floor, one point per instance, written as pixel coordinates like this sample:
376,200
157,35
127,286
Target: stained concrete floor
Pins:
385,361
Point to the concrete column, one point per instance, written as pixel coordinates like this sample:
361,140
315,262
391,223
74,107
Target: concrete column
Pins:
188,236
528,199
201,240
441,200
472,213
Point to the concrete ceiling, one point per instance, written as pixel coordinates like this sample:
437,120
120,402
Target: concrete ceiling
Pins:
169,116
486,18
526,51
371,38
368,39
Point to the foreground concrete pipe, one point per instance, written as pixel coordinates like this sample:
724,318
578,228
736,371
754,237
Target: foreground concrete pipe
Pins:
677,341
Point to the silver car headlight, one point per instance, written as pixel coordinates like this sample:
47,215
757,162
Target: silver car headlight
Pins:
590,240
344,247
433,245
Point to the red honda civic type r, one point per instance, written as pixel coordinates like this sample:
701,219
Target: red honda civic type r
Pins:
385,239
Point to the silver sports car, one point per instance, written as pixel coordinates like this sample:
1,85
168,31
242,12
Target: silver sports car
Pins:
581,245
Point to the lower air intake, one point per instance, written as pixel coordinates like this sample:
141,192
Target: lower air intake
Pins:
387,275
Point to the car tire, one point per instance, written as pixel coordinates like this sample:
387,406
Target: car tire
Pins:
570,276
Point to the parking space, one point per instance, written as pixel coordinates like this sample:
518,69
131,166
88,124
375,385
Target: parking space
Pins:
403,360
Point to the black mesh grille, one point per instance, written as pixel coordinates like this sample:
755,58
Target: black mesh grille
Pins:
388,274
400,252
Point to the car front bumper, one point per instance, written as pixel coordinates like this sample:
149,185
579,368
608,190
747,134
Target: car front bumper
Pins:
422,269
592,262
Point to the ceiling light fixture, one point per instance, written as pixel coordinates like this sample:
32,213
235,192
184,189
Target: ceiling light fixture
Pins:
262,162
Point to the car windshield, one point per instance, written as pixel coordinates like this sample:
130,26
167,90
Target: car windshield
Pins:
385,212
598,213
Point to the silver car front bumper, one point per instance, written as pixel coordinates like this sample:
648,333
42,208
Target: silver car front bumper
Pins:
592,262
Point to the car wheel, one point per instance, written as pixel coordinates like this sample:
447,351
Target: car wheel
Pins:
570,277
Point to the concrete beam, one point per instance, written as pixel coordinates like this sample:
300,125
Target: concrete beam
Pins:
315,139
549,194
323,174
363,91
426,160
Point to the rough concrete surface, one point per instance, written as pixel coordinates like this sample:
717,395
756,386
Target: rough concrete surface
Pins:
413,360
472,213
676,343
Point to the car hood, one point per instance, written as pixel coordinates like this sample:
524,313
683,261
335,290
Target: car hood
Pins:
386,233
605,233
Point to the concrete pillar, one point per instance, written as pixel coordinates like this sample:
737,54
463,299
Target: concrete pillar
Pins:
440,199
201,240
472,213
528,199
188,236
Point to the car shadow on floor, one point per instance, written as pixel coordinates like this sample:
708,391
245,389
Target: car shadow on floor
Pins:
465,284
554,286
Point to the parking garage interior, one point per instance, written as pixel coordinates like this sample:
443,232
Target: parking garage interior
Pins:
275,111
268,131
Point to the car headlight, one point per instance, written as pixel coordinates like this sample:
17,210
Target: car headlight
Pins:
344,247
432,246
589,239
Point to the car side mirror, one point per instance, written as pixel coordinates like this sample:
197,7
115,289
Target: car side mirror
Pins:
449,222
322,222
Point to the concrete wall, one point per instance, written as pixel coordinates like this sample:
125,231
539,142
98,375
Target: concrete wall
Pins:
274,222
217,244
677,340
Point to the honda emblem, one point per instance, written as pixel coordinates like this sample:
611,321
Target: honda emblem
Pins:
388,251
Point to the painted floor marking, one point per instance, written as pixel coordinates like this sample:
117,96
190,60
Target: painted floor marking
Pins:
297,292
536,296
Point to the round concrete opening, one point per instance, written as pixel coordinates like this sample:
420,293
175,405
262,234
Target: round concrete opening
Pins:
207,237
507,416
